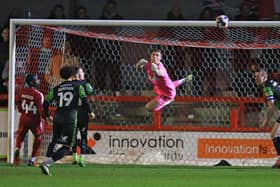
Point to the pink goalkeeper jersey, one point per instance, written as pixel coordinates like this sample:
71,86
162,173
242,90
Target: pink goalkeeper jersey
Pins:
163,85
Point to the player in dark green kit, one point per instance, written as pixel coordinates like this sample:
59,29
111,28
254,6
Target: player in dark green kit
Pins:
83,119
271,90
66,97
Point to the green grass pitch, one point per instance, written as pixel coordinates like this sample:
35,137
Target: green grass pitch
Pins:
98,175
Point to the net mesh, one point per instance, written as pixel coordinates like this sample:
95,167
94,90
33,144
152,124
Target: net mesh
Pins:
222,62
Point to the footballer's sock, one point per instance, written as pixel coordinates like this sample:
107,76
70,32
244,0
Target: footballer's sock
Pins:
16,159
51,149
82,161
179,82
33,159
36,145
48,162
17,152
187,79
276,143
75,158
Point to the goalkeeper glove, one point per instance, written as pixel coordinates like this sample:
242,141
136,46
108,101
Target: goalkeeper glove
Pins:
154,67
140,63
157,70
189,77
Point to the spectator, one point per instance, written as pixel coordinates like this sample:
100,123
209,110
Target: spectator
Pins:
4,61
107,64
57,61
109,11
5,74
218,7
207,71
245,63
82,13
246,14
107,57
207,14
16,13
57,12
276,16
175,13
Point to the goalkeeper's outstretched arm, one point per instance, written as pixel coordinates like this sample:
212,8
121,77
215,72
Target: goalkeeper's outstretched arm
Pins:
140,63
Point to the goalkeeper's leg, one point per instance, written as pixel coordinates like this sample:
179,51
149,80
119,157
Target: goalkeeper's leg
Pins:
187,79
179,82
158,103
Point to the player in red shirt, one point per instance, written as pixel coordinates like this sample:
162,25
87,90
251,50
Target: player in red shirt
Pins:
29,103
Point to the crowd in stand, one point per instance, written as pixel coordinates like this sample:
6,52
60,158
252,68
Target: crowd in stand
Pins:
249,10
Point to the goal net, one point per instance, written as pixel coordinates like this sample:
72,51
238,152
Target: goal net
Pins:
221,101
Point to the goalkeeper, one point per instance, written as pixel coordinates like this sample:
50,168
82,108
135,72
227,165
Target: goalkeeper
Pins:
164,87
271,90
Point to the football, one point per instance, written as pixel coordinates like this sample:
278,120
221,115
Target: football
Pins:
222,21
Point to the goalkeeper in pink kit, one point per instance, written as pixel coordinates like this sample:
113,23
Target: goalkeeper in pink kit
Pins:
164,87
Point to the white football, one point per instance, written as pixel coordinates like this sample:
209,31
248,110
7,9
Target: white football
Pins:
222,21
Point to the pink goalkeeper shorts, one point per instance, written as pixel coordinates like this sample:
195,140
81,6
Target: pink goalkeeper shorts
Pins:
163,101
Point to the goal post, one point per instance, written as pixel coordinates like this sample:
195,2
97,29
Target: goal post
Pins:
222,96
